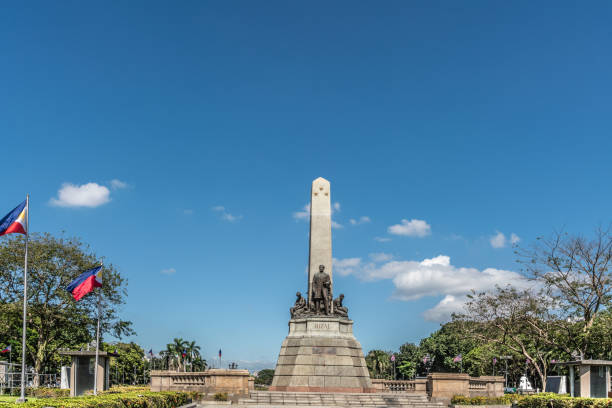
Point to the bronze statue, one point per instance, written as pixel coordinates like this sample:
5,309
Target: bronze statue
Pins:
321,291
299,308
340,310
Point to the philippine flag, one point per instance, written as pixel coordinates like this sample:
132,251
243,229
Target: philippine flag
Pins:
15,221
86,282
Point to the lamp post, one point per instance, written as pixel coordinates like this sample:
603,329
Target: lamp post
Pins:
506,358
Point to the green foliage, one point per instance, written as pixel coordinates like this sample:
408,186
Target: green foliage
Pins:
550,400
110,399
503,400
264,377
44,392
379,364
55,319
220,396
172,356
129,366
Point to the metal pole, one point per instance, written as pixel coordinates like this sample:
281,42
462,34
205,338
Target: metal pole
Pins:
98,340
22,398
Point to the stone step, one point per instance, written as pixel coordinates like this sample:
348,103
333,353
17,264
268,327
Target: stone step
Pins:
270,399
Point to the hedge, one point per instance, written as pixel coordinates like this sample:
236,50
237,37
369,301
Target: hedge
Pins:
543,400
551,400
503,400
113,399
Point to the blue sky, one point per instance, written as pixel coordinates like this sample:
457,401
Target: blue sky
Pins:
465,120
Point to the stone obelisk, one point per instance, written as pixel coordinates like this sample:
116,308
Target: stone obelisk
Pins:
320,354
320,230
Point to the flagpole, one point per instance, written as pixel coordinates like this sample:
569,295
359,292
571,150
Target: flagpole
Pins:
22,398
98,339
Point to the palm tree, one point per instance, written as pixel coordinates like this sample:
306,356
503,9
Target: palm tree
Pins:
199,364
378,361
193,352
175,351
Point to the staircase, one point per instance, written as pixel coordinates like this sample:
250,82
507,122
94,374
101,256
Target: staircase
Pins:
321,399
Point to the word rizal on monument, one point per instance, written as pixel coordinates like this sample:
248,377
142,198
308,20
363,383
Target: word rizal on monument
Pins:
320,354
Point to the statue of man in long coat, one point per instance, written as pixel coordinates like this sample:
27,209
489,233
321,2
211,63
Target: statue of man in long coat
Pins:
321,291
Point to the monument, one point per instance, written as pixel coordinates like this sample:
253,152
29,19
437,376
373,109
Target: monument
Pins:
320,354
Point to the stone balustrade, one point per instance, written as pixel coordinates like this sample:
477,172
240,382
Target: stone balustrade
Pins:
234,382
443,386
417,386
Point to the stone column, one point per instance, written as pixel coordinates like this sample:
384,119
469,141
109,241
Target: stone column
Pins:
320,230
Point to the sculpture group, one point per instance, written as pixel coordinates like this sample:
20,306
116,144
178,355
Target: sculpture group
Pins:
320,299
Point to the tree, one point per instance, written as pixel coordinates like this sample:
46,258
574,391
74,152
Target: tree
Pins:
180,352
518,320
55,320
129,364
576,273
264,377
379,364
193,352
407,360
443,346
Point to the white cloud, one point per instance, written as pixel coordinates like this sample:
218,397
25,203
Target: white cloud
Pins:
86,195
362,220
231,218
225,215
412,228
445,308
381,257
169,271
346,266
433,277
336,207
118,184
382,239
188,211
336,225
499,240
303,214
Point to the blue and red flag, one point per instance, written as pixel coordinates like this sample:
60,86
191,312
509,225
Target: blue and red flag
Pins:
219,353
86,282
15,221
6,350
457,359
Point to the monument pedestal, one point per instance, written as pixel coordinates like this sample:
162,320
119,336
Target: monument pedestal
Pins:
321,354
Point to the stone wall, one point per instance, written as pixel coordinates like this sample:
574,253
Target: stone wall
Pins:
233,382
443,386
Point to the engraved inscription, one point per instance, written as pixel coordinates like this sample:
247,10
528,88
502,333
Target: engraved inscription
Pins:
321,326
324,350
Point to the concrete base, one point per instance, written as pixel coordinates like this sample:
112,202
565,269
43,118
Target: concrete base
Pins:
321,354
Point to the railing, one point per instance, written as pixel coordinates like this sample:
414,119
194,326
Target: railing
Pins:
400,386
476,385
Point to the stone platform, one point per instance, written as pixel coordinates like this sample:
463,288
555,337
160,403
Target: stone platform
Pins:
321,354
266,399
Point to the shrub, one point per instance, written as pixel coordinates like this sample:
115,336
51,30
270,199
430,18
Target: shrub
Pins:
44,392
132,399
221,396
551,400
503,400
